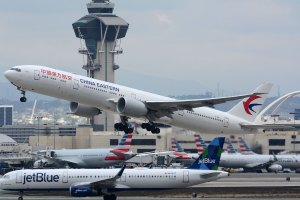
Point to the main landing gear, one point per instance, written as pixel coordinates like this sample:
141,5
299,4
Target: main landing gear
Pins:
123,127
151,127
20,195
109,197
23,99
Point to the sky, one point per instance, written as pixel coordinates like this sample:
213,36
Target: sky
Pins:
172,47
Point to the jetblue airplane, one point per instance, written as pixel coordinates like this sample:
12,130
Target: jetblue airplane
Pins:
107,182
90,96
87,158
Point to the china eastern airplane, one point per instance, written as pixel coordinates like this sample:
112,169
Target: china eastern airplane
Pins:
86,158
107,182
89,97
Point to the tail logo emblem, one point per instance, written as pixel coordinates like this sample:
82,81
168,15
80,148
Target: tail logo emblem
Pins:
248,106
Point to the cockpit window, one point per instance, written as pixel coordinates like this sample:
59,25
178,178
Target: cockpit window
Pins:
16,69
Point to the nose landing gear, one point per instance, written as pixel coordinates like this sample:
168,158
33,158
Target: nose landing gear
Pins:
23,99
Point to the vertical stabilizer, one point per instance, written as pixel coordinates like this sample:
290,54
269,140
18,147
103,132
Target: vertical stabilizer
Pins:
249,107
244,148
200,143
230,149
125,142
176,146
210,158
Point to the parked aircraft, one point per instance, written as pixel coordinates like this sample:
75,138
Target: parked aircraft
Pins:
107,182
286,161
90,97
87,158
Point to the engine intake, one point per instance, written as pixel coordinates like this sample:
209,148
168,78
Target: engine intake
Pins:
275,168
84,110
131,107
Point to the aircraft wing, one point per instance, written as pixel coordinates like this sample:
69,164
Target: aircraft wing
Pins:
210,175
174,105
72,161
260,165
126,155
285,127
106,183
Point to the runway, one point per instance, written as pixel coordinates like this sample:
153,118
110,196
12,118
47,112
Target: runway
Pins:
237,186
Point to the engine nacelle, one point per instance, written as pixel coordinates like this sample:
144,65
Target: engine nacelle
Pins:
131,107
83,110
275,168
82,191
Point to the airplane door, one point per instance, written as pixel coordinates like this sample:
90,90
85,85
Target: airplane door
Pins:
19,177
75,84
65,177
36,75
226,122
185,176
123,178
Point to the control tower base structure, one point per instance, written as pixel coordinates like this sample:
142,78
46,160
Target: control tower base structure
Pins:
101,30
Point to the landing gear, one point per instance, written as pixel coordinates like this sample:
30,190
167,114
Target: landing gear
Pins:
23,99
151,127
20,195
109,197
124,126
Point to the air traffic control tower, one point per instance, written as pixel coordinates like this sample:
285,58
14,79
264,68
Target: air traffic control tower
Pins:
101,31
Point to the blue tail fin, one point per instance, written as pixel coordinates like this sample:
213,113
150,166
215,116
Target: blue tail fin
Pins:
210,158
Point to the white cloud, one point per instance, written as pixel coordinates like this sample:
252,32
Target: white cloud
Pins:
163,18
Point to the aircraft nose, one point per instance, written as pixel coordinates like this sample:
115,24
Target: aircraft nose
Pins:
9,74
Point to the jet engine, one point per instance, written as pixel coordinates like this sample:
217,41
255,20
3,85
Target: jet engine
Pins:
83,110
274,168
131,107
82,191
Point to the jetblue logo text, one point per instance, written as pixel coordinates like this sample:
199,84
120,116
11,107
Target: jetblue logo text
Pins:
40,177
207,161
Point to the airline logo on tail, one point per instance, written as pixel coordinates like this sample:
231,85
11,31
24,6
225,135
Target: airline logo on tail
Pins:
210,158
200,143
248,105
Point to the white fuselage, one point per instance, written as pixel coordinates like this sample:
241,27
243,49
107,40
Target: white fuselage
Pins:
104,95
131,179
244,161
82,158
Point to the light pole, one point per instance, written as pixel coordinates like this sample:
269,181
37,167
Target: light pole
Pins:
294,135
38,117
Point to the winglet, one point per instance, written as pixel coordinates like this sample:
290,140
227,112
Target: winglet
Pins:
119,174
210,158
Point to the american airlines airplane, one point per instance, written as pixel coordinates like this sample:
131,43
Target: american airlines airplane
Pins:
87,158
286,161
90,96
107,182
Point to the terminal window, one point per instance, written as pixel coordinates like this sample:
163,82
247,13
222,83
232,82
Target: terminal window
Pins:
276,142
